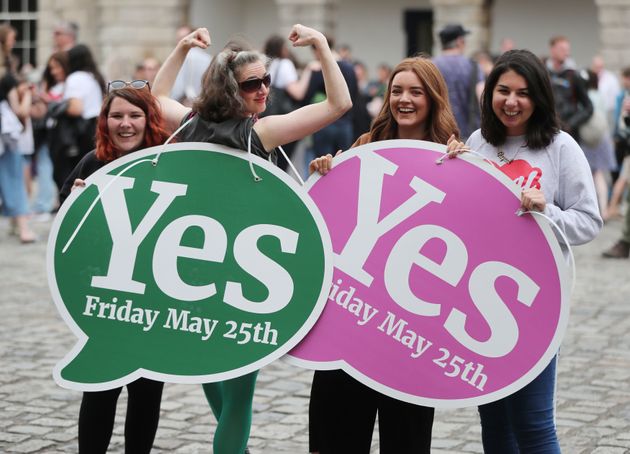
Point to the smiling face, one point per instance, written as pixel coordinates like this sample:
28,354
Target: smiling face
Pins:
409,104
126,124
511,102
255,102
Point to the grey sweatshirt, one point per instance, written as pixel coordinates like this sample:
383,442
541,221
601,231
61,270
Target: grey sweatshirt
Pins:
561,171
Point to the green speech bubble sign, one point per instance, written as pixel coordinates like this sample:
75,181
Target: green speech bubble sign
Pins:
188,271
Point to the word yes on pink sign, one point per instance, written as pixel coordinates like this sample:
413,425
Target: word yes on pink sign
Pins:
441,294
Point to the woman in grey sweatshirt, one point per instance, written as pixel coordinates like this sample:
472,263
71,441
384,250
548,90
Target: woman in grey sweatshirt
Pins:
520,135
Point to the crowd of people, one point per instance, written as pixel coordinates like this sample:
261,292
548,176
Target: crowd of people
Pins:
573,125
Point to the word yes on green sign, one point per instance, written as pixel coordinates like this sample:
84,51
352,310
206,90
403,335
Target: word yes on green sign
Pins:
188,271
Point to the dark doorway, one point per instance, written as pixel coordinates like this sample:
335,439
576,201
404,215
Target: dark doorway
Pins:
419,30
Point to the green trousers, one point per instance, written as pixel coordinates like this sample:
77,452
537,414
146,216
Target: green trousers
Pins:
231,403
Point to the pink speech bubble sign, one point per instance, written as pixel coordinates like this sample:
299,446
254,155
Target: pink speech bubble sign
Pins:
441,294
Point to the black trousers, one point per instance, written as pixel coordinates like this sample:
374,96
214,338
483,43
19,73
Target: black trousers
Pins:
342,413
98,410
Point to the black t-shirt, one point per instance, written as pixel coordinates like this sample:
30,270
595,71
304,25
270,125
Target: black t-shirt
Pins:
86,167
316,89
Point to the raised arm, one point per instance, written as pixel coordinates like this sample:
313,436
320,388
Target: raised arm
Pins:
277,130
172,110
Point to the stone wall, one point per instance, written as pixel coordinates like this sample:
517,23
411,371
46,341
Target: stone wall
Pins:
614,20
472,14
119,32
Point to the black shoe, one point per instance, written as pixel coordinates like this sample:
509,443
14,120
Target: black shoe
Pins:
621,250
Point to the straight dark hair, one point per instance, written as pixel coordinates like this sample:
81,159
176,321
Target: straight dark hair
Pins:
543,125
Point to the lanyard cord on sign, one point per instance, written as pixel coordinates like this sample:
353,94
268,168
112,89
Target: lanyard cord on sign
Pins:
520,212
153,161
251,164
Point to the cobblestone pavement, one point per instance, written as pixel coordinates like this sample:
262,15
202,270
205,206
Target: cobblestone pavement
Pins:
37,416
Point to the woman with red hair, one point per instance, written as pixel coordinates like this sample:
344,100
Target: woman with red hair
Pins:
130,120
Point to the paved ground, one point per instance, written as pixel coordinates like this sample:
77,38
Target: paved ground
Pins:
37,416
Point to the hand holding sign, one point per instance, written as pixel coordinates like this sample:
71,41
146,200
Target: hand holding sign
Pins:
188,271
436,299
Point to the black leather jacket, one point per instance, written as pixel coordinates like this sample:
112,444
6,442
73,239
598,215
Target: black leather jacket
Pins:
573,105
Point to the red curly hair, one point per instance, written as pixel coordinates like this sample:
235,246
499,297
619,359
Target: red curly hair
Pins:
154,132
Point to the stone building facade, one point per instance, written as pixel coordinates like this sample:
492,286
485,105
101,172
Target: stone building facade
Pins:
122,32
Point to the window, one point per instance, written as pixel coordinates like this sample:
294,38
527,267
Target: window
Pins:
22,15
419,28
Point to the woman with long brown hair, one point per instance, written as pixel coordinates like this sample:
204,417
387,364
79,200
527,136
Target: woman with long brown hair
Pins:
342,410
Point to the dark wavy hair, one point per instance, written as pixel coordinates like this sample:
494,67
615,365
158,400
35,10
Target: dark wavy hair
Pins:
220,98
543,124
440,123
80,59
154,132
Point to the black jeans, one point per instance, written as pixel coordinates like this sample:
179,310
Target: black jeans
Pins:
98,410
342,413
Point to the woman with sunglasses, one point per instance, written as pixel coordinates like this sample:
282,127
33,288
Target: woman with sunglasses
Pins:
234,92
342,411
130,120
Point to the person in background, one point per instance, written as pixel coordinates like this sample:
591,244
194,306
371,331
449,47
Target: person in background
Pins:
15,107
485,62
83,96
147,69
129,120
599,154
376,89
378,86
608,86
234,93
361,119
621,249
49,91
519,130
345,52
463,77
284,83
65,36
507,43
572,103
338,135
342,411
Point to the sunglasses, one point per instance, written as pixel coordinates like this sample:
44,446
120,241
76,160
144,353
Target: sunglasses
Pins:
252,85
118,84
